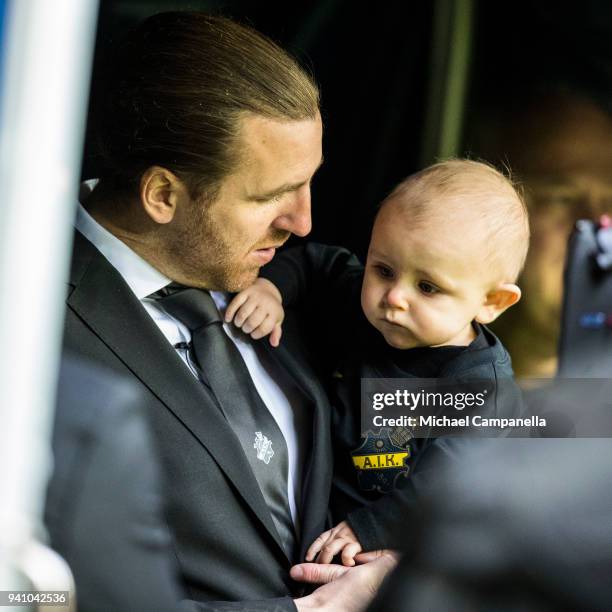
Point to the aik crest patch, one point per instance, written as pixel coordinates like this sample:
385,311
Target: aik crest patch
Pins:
380,461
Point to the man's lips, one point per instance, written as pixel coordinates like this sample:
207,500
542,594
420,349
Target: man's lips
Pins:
271,247
264,255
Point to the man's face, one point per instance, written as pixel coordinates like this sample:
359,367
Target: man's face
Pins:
422,286
222,244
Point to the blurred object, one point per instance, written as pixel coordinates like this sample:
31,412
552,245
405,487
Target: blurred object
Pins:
585,348
46,53
572,407
104,503
542,45
540,101
47,571
559,146
522,526
450,59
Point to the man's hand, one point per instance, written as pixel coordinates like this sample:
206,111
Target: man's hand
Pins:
258,311
346,589
330,543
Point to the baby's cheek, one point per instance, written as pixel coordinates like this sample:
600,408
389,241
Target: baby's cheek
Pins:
369,302
435,322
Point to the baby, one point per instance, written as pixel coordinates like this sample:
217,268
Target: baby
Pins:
446,249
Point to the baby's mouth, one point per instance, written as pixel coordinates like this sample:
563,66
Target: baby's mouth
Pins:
389,319
392,323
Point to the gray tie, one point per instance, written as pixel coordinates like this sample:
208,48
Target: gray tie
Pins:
221,367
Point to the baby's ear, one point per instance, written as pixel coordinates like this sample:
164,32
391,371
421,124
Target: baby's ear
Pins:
498,300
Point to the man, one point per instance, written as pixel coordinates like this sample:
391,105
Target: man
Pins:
208,138
104,505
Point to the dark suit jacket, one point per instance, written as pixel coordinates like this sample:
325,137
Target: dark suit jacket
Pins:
103,507
223,534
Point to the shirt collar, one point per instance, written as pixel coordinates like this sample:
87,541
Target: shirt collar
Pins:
142,278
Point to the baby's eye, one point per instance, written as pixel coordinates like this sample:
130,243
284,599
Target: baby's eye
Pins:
428,288
383,271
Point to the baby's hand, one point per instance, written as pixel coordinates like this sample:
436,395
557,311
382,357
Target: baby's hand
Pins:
258,311
330,543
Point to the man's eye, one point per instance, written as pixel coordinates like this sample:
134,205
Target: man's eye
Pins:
428,288
384,271
269,200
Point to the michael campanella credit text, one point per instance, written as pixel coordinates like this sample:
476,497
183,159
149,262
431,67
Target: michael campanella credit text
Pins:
465,421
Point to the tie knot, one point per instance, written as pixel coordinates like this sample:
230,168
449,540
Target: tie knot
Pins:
169,289
195,308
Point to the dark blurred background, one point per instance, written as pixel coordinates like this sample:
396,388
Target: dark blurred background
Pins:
525,85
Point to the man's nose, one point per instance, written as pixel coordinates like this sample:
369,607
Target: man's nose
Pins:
296,217
397,298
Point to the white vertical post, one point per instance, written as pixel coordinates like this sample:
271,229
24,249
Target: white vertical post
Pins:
47,54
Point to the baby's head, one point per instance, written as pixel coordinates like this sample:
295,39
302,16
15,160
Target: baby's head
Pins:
447,247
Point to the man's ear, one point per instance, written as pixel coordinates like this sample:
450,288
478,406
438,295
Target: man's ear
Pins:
161,191
498,300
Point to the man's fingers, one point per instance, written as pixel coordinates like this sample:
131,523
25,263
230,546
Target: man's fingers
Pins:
275,336
349,552
314,573
234,305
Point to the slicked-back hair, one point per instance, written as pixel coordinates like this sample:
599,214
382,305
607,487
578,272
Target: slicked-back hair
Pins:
173,93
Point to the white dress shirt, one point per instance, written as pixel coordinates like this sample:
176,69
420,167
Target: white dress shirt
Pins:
278,392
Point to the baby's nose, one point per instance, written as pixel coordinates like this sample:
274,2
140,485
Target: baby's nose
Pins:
396,298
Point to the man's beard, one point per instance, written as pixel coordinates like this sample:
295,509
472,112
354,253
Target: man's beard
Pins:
210,262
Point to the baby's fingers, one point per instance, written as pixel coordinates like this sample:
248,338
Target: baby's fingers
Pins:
263,329
330,550
244,312
317,545
275,336
372,555
234,305
349,552
255,320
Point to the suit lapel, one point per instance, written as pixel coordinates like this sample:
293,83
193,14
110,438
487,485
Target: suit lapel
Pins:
103,300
